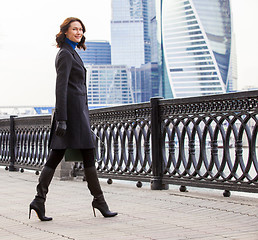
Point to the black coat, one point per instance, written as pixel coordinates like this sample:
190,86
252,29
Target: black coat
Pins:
71,102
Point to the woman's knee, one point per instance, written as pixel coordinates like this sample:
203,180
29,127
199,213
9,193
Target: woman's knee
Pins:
55,157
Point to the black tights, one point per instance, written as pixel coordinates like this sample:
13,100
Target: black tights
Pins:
56,156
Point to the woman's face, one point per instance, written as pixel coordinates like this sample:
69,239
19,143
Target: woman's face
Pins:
75,32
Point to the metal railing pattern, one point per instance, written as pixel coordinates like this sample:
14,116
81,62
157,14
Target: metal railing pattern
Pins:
30,137
4,141
125,132
208,141
211,139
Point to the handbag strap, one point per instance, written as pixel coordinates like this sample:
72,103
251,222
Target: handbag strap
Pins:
102,144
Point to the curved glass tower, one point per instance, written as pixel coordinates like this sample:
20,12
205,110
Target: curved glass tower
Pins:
196,45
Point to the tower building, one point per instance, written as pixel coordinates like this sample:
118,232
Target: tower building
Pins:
97,53
195,38
130,37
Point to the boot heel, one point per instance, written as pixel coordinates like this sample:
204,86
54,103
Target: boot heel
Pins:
29,212
94,211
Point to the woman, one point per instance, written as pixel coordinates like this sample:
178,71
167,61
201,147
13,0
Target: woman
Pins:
71,124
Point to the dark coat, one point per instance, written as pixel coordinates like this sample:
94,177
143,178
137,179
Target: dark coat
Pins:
71,102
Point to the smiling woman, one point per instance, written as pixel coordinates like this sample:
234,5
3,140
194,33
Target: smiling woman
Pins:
71,124
73,29
75,32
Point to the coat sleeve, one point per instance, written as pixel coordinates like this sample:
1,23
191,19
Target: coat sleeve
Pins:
63,69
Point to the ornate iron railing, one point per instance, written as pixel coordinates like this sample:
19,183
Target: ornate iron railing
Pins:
5,142
208,141
24,141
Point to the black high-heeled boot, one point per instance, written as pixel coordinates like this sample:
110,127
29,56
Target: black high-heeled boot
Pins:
100,204
95,190
38,204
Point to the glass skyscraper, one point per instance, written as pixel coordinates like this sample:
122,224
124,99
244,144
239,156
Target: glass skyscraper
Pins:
130,38
97,53
132,30
145,82
108,85
194,42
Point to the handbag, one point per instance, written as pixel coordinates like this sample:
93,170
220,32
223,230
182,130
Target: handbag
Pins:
75,155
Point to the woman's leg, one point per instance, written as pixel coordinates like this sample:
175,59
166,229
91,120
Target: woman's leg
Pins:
93,183
45,178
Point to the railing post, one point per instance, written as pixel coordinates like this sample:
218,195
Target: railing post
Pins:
157,162
12,145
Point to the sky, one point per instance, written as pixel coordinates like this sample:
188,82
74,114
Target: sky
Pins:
27,44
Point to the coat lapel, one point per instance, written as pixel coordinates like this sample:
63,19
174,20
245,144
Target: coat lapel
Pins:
74,53
78,58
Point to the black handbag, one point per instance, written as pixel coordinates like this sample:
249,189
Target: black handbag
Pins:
74,155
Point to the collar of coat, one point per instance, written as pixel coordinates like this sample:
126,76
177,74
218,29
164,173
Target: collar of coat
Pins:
74,53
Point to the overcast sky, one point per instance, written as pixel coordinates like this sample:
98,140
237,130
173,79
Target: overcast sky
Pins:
27,38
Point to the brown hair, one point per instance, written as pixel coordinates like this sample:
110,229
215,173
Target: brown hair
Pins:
60,37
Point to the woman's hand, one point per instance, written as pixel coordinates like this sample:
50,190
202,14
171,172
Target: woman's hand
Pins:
61,128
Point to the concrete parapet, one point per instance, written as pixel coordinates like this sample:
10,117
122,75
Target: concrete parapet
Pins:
64,170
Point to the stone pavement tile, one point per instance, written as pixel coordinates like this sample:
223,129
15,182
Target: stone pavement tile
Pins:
155,234
4,234
30,234
12,238
107,237
206,237
242,236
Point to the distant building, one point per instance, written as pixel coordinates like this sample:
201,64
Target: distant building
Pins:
130,33
194,39
232,72
145,82
97,53
7,111
131,44
108,85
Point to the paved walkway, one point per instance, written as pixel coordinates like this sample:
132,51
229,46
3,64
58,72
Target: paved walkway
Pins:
143,214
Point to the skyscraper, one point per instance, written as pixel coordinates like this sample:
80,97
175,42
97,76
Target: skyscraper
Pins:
108,85
97,53
232,72
132,30
194,39
145,82
130,37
